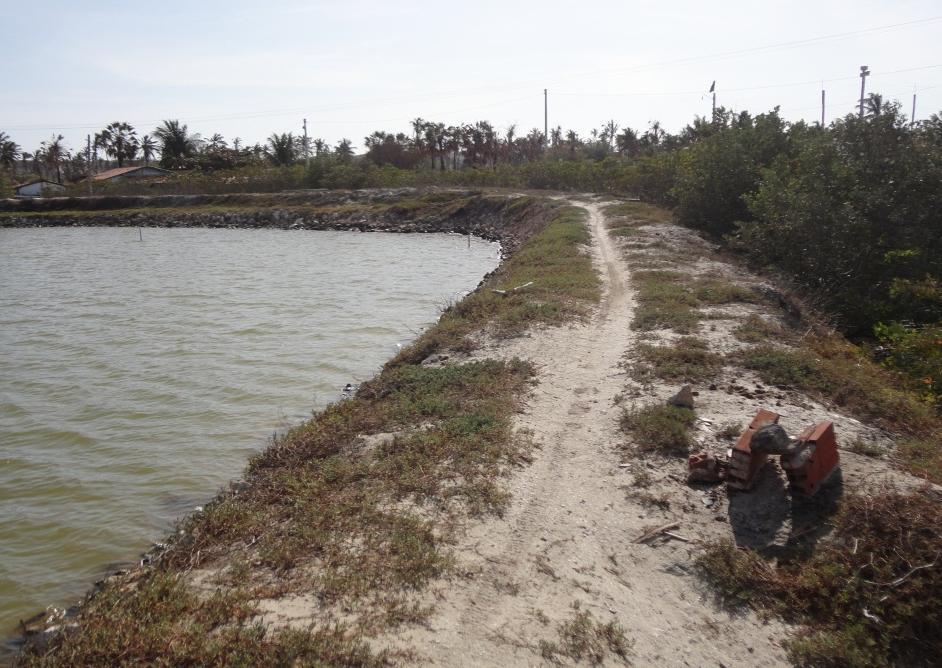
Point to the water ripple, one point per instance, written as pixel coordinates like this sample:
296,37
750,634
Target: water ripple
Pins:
135,378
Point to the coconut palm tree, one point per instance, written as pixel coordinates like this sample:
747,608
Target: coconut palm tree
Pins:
148,148
9,151
344,150
282,148
875,105
119,140
52,153
176,144
216,143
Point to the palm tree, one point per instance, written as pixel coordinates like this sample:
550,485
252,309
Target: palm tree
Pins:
282,148
344,149
627,142
148,148
52,154
9,151
216,143
875,105
176,144
119,141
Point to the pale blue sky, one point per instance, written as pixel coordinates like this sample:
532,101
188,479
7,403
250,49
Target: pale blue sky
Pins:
249,69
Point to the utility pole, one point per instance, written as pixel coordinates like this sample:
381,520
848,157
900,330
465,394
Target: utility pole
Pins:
864,73
912,117
545,118
822,107
713,114
88,162
307,159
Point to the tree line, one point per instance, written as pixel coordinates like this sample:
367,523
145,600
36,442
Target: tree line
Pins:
851,213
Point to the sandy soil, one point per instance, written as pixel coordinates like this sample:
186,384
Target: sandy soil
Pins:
568,540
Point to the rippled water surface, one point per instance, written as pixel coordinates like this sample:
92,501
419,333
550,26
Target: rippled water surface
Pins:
136,378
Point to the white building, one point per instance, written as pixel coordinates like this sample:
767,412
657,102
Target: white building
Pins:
38,188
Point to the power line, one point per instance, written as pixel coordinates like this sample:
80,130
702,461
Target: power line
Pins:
519,84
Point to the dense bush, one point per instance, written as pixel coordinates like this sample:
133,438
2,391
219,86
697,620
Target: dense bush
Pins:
715,173
853,214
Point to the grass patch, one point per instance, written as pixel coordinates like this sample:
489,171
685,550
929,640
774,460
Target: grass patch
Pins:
716,291
923,456
729,431
358,524
355,527
755,329
868,597
837,372
866,448
661,429
636,213
162,622
582,638
665,301
688,360
564,285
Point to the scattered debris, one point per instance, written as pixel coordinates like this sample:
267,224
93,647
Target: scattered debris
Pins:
704,467
654,533
744,464
519,287
808,461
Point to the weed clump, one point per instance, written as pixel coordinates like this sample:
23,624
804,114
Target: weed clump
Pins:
755,329
870,596
560,284
718,291
688,360
584,638
837,372
665,301
660,429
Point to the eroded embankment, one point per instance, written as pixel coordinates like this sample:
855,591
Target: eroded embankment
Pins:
385,210
346,518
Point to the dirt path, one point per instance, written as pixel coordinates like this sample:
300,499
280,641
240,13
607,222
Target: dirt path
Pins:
567,541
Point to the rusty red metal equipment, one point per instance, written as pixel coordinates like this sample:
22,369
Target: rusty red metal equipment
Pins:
744,464
814,459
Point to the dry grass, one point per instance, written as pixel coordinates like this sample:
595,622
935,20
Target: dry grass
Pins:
564,283
665,301
659,429
839,373
361,529
582,638
755,329
688,360
869,597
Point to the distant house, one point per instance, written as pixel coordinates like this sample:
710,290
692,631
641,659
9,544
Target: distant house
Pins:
38,188
121,173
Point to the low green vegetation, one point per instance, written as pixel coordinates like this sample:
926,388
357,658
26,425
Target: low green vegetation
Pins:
717,291
549,281
659,429
868,597
583,639
688,359
840,373
755,329
665,301
355,508
670,299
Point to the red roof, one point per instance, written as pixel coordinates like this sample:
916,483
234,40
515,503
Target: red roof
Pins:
121,171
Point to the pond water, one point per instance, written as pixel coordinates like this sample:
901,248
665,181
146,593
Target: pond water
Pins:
137,377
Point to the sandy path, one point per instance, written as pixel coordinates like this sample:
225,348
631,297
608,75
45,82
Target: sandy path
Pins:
567,539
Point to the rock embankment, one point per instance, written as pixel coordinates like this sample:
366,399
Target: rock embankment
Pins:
505,219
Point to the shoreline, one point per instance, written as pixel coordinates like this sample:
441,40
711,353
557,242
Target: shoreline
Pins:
485,217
